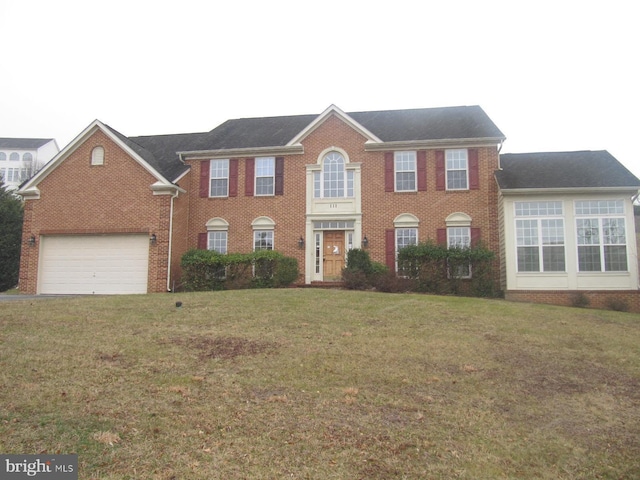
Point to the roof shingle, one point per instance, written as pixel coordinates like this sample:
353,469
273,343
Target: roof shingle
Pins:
581,169
24,143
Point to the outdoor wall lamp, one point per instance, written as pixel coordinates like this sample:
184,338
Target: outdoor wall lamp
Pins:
32,241
301,242
365,242
153,239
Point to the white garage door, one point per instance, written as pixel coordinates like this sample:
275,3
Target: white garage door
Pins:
88,264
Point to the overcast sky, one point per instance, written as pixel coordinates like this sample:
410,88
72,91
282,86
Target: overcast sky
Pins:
553,75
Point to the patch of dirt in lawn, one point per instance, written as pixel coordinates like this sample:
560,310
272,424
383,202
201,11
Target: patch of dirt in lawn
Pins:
541,374
584,400
226,347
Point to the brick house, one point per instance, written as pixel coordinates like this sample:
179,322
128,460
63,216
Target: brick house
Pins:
114,214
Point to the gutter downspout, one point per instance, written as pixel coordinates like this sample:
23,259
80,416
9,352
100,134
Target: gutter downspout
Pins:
170,241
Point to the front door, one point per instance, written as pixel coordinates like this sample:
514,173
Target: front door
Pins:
333,258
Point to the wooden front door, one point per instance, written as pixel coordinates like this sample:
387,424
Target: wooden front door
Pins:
333,258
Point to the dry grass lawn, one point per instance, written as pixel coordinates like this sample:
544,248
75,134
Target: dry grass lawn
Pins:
321,384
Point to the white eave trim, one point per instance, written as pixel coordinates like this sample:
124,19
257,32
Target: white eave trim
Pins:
241,152
28,193
431,144
75,143
574,190
161,188
333,110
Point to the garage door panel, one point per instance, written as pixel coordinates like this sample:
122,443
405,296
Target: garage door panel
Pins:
94,264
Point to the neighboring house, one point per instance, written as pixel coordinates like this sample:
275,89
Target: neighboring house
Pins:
114,214
21,158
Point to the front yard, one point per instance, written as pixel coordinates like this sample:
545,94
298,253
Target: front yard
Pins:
304,383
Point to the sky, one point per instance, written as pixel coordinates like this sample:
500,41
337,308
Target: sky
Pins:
556,75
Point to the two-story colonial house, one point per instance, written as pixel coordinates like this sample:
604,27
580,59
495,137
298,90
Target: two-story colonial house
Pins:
21,158
114,214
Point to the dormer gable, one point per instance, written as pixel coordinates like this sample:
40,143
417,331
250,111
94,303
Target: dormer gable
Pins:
333,110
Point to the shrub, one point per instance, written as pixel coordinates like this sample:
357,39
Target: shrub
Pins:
617,304
435,268
355,279
359,260
10,237
580,300
208,270
286,272
361,273
389,282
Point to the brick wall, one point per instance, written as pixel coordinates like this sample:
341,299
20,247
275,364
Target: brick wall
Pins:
431,206
379,207
619,299
78,198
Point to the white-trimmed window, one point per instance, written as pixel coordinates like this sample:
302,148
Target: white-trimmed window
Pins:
334,180
14,157
406,237
459,237
405,171
3,156
218,241
219,178
27,157
262,240
601,233
263,236
333,175
540,238
97,156
217,229
457,169
12,175
406,233
265,175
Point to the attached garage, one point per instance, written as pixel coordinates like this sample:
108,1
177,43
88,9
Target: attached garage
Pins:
93,264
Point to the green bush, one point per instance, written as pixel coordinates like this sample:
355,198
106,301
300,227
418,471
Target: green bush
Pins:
355,279
359,260
361,273
10,237
208,270
435,268
389,282
286,272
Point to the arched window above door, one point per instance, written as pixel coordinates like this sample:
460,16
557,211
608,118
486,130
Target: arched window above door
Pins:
334,180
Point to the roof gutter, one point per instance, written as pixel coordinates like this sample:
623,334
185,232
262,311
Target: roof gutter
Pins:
241,152
442,143
572,190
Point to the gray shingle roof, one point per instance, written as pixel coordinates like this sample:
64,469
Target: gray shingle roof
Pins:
23,143
582,169
160,151
256,132
429,124
389,125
